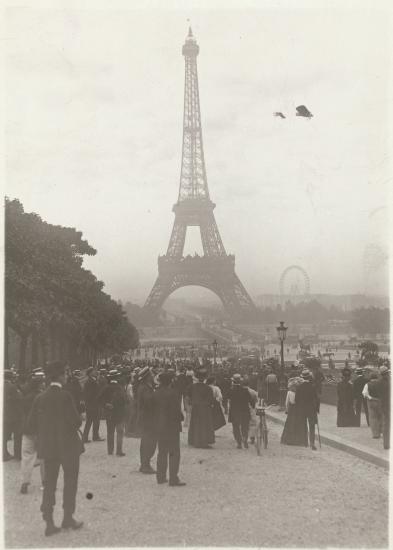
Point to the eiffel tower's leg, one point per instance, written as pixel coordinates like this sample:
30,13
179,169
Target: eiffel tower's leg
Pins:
211,238
177,240
235,297
154,300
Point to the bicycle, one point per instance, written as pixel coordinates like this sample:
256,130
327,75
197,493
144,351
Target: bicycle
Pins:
262,431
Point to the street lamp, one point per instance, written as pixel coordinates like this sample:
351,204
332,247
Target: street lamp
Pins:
215,346
282,332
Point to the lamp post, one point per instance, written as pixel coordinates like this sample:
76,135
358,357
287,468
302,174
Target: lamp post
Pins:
215,346
282,332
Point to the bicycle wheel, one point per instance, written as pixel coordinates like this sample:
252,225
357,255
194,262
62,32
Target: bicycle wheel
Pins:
258,440
264,438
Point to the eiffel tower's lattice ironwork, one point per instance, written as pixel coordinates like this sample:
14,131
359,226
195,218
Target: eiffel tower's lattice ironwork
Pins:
214,270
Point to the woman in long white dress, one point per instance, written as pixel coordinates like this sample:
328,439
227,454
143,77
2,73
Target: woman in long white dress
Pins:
218,413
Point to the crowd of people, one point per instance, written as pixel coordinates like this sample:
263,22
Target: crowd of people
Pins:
152,401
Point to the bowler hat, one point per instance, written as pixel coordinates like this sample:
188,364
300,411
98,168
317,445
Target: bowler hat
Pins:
306,374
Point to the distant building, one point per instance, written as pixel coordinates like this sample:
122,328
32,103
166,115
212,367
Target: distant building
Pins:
345,302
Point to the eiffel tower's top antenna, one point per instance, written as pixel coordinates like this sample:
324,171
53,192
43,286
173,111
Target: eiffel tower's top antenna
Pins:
193,181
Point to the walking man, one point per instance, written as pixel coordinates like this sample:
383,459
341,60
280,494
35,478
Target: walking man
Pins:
55,420
168,427
91,393
240,401
29,441
12,417
114,401
307,405
146,420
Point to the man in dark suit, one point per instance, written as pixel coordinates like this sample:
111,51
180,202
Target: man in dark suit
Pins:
91,393
359,401
55,421
307,404
114,401
168,418
146,420
239,411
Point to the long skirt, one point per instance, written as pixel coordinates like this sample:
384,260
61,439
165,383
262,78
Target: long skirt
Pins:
295,429
345,416
201,430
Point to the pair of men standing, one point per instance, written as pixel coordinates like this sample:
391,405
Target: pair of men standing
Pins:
91,393
159,421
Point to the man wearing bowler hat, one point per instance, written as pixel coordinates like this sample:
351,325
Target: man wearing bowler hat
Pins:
239,411
146,420
91,393
168,427
55,420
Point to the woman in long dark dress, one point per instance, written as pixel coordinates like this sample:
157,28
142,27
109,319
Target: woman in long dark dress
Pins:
295,428
345,409
201,430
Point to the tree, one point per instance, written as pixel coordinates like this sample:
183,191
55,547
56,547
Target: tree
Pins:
369,354
51,298
371,321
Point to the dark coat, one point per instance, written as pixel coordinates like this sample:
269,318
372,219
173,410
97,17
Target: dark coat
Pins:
55,420
74,388
201,431
167,410
145,408
114,400
307,400
358,385
345,410
384,395
239,404
91,392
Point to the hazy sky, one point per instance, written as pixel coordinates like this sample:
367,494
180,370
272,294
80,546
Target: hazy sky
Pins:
94,132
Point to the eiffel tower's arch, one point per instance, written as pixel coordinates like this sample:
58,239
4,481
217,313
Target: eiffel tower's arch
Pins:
195,283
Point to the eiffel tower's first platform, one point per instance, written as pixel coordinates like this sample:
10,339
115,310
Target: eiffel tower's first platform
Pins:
214,270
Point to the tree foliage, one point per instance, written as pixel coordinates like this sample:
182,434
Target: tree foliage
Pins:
49,294
371,320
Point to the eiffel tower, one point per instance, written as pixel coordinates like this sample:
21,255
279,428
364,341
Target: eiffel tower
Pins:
214,270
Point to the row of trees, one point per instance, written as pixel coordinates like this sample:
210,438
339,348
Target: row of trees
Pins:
56,307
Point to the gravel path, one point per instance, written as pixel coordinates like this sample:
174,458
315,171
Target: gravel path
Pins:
288,497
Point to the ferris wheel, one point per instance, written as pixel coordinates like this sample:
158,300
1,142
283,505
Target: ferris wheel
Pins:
294,281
